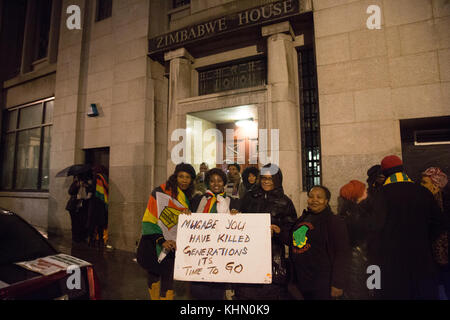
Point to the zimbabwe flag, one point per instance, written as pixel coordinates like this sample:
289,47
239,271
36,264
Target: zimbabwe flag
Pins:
161,215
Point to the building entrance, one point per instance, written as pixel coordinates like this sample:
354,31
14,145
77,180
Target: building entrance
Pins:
223,136
425,143
97,157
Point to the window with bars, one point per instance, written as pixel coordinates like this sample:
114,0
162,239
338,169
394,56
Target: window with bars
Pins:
25,153
180,3
309,113
104,9
42,28
237,75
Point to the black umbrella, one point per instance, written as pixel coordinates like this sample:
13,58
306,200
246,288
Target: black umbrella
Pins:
74,170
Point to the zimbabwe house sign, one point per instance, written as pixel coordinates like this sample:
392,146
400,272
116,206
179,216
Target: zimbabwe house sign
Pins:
232,22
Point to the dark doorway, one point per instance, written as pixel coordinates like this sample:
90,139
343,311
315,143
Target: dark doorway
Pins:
425,143
97,156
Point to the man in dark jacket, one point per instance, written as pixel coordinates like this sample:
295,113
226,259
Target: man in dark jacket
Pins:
269,197
404,221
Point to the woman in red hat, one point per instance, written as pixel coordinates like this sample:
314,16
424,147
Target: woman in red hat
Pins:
405,219
352,207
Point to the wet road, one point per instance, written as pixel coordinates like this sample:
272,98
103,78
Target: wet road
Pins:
120,277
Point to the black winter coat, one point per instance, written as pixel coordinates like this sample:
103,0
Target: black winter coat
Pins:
327,253
403,222
353,215
283,214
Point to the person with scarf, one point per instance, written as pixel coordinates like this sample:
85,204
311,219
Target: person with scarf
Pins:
435,180
250,178
214,201
269,197
97,222
319,249
156,253
404,221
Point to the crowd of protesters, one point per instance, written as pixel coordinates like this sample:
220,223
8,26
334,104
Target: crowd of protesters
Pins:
398,225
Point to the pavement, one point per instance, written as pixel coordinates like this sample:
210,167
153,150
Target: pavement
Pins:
120,276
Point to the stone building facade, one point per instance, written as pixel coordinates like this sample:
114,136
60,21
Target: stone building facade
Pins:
341,94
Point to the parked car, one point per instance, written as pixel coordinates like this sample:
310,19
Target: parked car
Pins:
21,242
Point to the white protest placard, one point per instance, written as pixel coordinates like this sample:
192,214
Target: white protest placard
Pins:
224,248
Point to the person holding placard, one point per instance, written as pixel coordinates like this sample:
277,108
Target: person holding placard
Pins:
269,197
156,250
215,200
320,249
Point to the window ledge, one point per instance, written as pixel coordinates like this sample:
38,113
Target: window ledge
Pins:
182,8
19,194
45,69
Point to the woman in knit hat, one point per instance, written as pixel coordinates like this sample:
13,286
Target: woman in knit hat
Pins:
392,168
156,250
351,206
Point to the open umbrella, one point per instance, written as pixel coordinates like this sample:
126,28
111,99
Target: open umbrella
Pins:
73,170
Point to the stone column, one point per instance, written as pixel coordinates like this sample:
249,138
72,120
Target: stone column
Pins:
282,110
66,146
179,88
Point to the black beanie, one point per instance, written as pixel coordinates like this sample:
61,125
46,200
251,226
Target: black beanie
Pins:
185,167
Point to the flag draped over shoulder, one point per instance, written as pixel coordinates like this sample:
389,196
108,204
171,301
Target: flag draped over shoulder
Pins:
161,215
214,203
101,188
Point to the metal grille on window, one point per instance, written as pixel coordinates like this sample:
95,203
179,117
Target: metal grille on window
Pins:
236,76
104,9
309,108
43,28
180,3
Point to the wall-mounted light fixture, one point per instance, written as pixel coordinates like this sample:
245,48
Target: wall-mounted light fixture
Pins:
93,111
244,123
